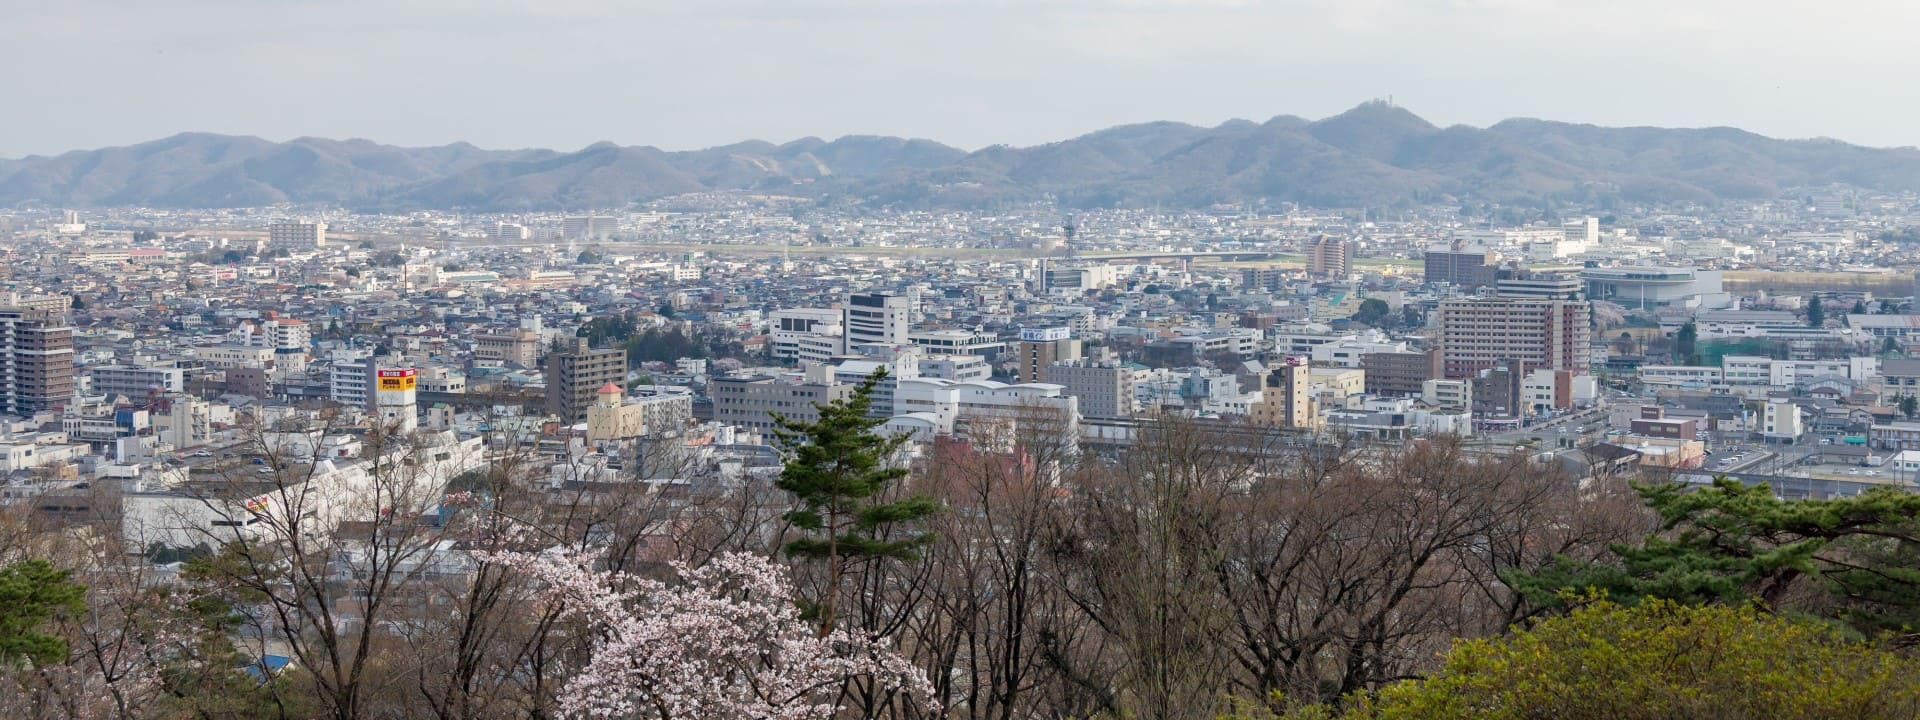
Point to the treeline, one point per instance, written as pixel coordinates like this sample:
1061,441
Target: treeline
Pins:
656,344
1211,570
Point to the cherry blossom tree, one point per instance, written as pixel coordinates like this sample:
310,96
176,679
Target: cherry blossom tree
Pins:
725,641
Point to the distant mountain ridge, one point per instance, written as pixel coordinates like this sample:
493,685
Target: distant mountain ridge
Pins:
1375,154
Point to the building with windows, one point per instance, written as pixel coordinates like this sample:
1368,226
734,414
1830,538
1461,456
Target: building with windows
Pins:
1040,347
877,318
1465,269
748,402
37,349
1329,257
297,234
574,378
1104,387
134,381
1480,333
1645,287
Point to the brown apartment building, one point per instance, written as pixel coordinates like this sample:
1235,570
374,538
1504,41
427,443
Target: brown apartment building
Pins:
1481,333
574,378
38,348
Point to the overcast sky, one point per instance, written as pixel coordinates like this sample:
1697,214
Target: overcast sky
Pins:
565,73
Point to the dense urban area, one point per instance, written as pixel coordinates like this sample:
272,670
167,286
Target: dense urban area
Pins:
736,454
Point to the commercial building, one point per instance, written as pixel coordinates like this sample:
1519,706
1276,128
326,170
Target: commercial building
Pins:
1646,288
1104,387
1480,333
878,318
1040,347
1466,269
37,347
574,378
749,402
1400,374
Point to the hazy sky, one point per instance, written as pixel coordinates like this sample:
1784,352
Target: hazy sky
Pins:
566,73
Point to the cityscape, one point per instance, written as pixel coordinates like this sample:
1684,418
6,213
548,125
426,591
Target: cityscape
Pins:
793,413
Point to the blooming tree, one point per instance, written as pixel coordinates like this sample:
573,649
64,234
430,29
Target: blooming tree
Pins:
726,641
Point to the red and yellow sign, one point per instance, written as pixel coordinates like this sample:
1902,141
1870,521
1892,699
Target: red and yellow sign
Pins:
397,380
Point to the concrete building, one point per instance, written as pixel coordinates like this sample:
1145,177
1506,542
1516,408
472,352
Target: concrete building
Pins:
958,368
1400,374
1287,400
136,382
1104,387
37,349
877,318
1646,287
652,411
574,378
1479,333
1465,269
790,329
297,234
1781,421
1040,347
588,227
520,346
748,402
1329,257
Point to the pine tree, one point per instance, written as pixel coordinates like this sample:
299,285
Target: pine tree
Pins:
1816,315
839,470
1855,559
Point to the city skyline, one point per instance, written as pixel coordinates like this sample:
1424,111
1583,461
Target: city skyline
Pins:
488,75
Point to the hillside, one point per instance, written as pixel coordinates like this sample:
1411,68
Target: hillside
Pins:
1375,154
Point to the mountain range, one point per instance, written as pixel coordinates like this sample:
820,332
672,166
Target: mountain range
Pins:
1374,155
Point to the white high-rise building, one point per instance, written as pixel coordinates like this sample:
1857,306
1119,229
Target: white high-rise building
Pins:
347,383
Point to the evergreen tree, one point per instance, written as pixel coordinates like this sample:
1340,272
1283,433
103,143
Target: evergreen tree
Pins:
1816,315
1889,345
1855,559
1909,405
1859,307
840,471
1685,341
33,592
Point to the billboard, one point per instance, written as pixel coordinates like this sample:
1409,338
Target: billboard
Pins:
1046,334
397,380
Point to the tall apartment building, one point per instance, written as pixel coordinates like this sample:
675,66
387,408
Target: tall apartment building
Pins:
1287,401
1104,387
574,378
1465,269
877,318
348,376
37,374
1267,278
1329,256
584,227
1040,347
297,234
1480,333
508,232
